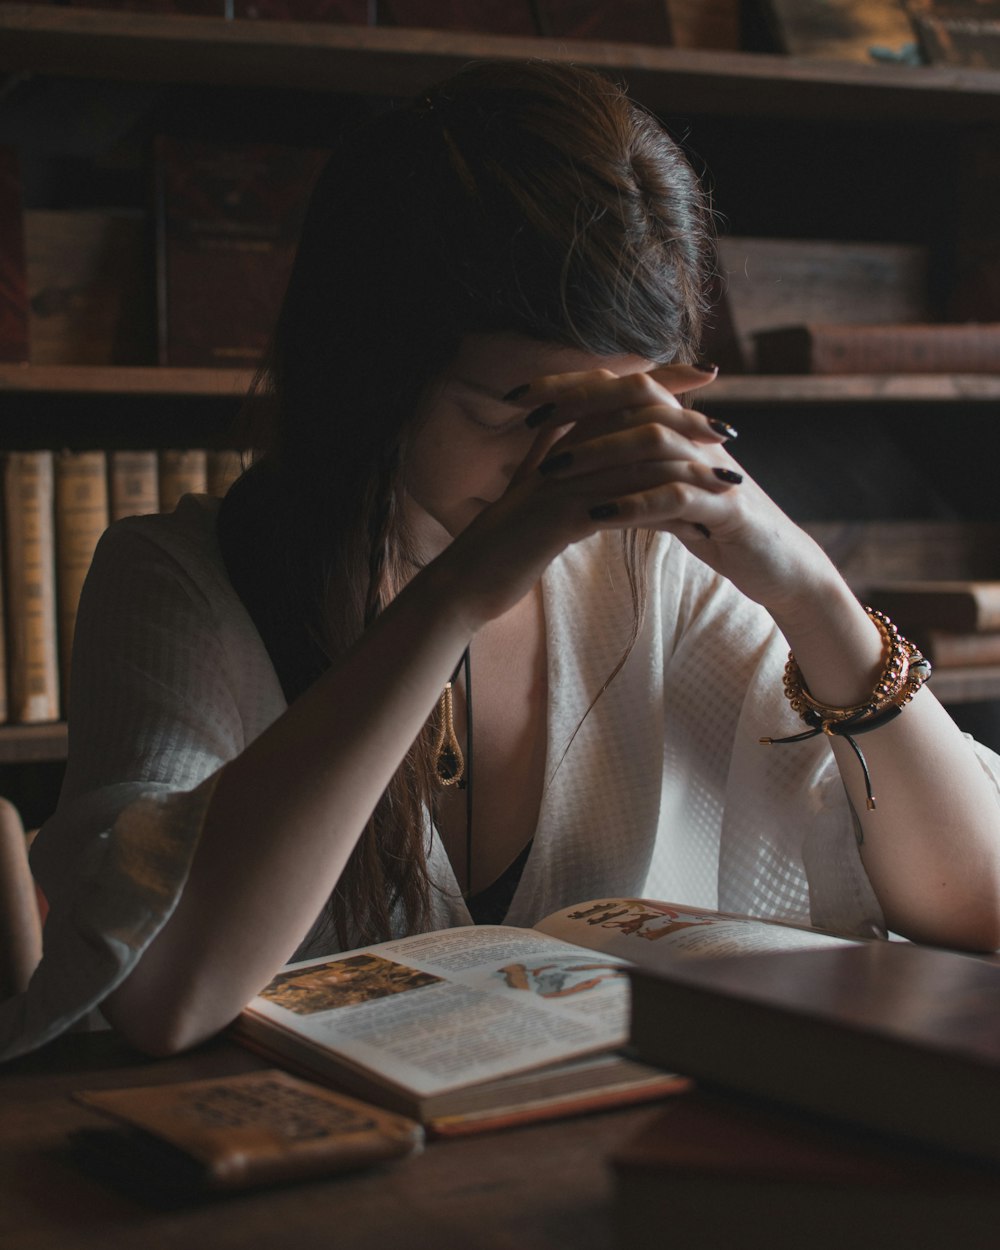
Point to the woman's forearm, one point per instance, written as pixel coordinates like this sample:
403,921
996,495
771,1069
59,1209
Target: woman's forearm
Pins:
931,845
283,820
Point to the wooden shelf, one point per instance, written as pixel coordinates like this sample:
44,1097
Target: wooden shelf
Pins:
171,48
31,744
743,389
122,380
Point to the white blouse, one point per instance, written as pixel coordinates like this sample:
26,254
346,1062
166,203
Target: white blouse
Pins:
662,791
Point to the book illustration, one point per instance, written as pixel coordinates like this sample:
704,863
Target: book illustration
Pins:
342,983
561,976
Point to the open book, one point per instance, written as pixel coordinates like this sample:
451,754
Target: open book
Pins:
478,1026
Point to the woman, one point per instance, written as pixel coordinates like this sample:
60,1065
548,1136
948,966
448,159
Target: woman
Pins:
476,476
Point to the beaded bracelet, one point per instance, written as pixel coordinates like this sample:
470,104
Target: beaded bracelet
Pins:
903,672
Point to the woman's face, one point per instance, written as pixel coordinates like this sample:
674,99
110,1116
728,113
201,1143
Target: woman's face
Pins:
469,442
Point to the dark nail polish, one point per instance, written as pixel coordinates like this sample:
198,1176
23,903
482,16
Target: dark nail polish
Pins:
554,463
538,415
516,393
603,511
728,475
706,366
702,529
723,428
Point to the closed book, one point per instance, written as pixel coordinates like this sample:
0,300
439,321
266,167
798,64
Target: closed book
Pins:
182,471
894,1037
621,21
228,219
133,483
705,24
922,348
81,516
842,30
495,17
765,284
948,648
968,606
13,268
33,677
710,1166
89,286
957,32
236,1132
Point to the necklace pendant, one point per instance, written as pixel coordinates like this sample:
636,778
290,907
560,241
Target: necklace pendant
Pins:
449,762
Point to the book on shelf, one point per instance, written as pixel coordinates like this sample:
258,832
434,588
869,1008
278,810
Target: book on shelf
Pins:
894,1037
90,299
840,30
705,24
709,1166
29,588
962,606
81,517
767,283
495,17
483,1025
13,266
133,483
951,648
863,348
957,32
620,21
181,471
227,225
222,468
219,1134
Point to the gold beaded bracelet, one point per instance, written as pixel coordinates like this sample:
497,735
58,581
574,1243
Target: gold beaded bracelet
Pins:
903,672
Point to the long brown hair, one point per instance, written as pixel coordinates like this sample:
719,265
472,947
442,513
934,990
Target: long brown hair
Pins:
532,198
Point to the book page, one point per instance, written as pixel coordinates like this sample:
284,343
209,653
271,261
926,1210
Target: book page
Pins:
440,1010
650,933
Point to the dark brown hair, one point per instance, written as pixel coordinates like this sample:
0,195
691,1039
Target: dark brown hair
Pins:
532,198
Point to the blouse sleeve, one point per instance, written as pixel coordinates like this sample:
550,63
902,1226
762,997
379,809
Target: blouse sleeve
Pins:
170,681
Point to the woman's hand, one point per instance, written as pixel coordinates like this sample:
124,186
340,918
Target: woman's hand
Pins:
622,452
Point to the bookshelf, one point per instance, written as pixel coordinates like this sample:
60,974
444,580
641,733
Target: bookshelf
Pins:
793,147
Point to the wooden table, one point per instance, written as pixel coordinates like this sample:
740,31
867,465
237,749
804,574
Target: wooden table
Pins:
532,1188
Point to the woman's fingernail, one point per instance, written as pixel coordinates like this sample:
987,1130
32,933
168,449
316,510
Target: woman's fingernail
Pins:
728,475
603,511
705,366
723,428
517,393
554,463
538,415
702,529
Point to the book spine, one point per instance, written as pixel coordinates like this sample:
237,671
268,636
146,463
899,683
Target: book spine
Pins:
181,472
81,517
947,648
974,608
13,266
31,594
839,349
133,483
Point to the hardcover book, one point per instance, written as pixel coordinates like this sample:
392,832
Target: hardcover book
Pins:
228,219
133,483
181,471
863,348
82,516
893,1037
957,32
969,606
480,1026
30,588
840,29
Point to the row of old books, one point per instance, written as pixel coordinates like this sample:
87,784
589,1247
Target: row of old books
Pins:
197,279
55,507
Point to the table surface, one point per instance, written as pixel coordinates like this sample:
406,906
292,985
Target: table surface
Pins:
530,1188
